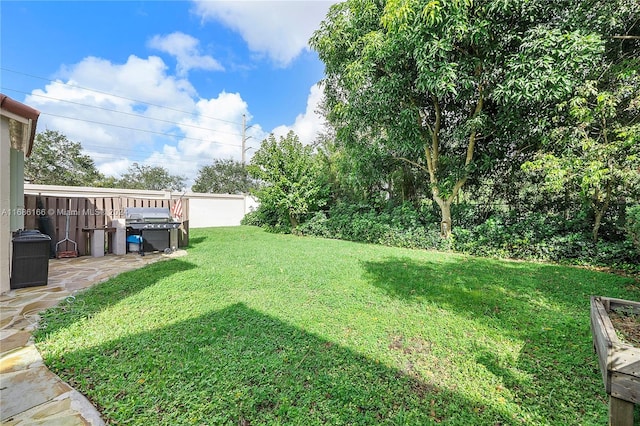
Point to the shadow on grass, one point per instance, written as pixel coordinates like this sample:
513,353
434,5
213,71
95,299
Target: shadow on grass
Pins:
239,366
544,306
517,297
194,241
108,293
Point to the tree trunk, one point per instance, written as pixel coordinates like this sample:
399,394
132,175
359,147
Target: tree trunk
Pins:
599,212
293,220
596,225
445,214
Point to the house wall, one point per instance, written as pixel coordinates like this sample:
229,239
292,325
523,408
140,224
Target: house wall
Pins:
5,206
17,132
16,184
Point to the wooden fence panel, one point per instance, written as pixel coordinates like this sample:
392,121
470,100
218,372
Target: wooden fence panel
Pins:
72,223
31,219
99,213
91,220
115,207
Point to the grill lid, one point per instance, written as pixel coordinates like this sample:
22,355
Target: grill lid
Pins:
145,218
147,214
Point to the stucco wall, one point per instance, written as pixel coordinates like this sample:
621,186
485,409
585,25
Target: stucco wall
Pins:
17,188
5,206
211,210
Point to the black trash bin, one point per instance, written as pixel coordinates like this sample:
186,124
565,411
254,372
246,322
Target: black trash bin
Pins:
30,259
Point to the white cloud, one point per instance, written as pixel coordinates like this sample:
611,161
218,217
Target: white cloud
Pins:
308,125
136,112
186,50
216,130
142,111
114,166
279,29
113,106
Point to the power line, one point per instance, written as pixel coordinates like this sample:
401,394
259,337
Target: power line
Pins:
144,155
137,130
107,160
115,96
194,162
122,112
97,150
135,153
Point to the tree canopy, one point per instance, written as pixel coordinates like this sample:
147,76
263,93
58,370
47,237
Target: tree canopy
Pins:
55,160
596,149
292,179
435,83
150,177
224,177
515,120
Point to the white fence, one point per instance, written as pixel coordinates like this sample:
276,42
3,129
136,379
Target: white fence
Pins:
204,210
208,210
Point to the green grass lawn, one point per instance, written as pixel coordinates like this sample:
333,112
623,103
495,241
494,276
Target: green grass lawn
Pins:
254,328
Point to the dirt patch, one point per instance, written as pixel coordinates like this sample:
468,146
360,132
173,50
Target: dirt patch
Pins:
415,345
627,325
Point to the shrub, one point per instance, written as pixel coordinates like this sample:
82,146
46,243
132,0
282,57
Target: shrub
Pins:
253,218
399,226
547,238
534,236
317,225
267,218
632,227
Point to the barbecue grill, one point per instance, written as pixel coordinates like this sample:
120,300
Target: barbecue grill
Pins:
155,225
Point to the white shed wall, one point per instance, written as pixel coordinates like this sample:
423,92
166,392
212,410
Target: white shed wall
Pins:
211,210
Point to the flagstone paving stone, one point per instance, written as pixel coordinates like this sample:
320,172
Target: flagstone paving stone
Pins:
33,386
11,341
30,394
20,359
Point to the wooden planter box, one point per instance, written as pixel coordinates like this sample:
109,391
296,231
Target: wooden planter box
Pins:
619,361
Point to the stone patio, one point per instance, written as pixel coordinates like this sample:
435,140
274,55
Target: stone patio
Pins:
30,394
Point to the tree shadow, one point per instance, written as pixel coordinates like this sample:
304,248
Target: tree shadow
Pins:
239,366
514,296
544,307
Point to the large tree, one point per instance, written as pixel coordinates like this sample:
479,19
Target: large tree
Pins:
597,149
224,177
140,176
593,153
293,181
55,160
445,84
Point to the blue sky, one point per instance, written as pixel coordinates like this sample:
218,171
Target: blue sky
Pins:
164,82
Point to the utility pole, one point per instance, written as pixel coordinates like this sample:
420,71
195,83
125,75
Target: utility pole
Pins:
244,136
